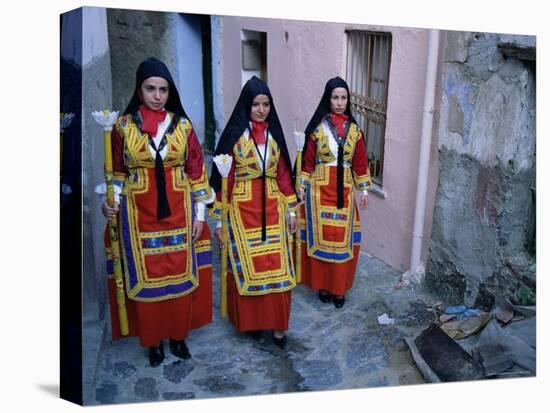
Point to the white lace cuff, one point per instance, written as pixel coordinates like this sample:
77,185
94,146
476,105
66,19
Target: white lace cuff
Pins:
200,206
212,197
101,190
200,209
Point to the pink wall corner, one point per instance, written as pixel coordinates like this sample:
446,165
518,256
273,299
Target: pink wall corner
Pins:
389,221
433,173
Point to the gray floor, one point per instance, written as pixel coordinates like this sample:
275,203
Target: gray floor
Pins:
328,348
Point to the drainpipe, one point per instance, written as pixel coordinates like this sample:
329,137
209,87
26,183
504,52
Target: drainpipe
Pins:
425,143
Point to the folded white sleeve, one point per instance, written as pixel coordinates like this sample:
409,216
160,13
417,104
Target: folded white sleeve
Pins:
200,209
101,190
200,206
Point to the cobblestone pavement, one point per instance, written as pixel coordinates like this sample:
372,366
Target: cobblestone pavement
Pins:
327,349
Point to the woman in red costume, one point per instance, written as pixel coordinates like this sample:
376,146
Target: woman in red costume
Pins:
162,191
334,161
262,204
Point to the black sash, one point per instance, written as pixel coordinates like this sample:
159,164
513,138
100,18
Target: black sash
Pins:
262,159
340,140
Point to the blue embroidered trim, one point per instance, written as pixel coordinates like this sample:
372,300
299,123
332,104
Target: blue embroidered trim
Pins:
110,269
270,239
164,241
200,193
363,185
129,256
270,286
132,278
355,236
238,267
204,258
334,216
164,291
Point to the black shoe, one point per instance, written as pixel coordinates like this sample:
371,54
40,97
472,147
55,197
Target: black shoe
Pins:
324,296
339,302
280,342
156,355
179,349
254,334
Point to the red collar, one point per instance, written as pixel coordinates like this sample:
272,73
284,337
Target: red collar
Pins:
151,119
258,132
338,121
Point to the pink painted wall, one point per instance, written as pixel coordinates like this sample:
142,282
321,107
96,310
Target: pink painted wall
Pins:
301,57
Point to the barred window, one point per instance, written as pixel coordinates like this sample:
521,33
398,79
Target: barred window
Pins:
368,67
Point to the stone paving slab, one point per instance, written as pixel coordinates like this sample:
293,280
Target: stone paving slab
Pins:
327,349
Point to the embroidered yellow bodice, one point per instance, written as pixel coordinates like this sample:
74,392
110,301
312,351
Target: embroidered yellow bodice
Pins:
138,156
136,144
324,155
247,163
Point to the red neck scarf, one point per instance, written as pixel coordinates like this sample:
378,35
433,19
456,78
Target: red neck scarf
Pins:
258,131
338,121
151,119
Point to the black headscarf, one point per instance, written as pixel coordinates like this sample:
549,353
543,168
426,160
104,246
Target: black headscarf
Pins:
239,122
152,67
323,109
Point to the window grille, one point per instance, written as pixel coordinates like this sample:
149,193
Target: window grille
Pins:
368,67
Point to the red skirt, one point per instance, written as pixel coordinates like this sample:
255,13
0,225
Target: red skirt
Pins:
269,266
333,277
330,229
169,319
257,312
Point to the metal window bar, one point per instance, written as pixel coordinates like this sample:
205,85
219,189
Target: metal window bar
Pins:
368,66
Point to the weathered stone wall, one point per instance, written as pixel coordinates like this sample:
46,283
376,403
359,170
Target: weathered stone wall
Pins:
483,230
133,37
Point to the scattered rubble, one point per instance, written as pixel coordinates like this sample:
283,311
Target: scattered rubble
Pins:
469,344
